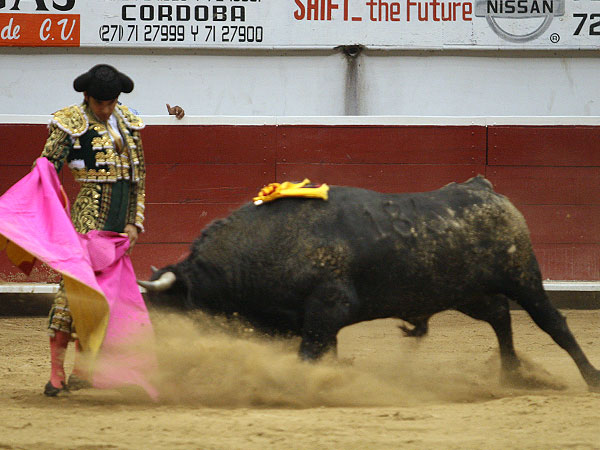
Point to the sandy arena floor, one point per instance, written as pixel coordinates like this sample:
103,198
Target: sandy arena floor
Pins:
385,391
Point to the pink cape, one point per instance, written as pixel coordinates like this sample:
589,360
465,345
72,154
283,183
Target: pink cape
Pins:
108,311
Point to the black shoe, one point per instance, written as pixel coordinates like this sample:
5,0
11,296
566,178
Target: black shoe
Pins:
75,383
51,391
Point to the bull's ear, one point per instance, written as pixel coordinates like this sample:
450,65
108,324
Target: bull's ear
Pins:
165,281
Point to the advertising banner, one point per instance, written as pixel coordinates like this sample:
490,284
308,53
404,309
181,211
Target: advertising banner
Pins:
282,24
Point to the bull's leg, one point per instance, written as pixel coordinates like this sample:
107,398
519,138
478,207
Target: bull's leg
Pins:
495,311
535,301
329,308
419,329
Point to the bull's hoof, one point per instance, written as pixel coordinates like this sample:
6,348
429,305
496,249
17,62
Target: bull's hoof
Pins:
593,381
51,391
75,383
416,331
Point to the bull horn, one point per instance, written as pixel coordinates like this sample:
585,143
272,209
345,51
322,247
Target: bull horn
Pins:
154,269
165,281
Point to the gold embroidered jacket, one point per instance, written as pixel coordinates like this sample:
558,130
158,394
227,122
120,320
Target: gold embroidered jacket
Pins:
112,183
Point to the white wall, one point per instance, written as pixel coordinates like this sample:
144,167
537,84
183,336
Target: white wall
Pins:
523,84
314,83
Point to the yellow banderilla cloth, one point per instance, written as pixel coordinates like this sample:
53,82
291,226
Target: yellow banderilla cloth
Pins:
274,191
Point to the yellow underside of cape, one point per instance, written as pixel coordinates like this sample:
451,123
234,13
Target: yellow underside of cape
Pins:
89,307
17,255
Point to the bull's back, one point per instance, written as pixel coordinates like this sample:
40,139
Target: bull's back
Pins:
386,245
458,216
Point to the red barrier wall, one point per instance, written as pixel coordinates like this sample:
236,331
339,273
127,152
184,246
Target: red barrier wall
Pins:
197,173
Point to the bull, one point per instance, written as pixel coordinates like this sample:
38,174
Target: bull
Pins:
310,267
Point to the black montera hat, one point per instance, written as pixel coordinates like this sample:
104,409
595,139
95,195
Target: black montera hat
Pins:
103,82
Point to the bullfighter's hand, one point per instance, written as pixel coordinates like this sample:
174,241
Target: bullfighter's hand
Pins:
132,233
176,111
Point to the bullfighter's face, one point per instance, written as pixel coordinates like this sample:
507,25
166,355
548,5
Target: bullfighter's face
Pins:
102,109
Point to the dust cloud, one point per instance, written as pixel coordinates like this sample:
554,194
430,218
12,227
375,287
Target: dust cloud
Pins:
212,362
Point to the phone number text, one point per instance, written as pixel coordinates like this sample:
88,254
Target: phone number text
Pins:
181,33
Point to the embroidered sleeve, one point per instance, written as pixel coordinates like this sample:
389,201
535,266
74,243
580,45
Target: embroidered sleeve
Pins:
57,148
137,203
